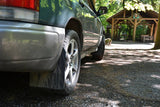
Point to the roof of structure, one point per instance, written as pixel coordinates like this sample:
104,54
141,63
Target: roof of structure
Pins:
128,13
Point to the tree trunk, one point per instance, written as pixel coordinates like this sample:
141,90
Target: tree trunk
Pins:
157,42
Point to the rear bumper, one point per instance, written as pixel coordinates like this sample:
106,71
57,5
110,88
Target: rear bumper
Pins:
29,47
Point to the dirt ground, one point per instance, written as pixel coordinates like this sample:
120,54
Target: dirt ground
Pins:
126,77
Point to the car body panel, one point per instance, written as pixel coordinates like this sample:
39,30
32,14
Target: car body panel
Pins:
61,11
27,46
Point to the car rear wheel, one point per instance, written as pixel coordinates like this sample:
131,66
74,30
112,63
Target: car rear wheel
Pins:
65,75
72,61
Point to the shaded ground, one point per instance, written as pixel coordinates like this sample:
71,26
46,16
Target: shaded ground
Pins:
134,72
123,78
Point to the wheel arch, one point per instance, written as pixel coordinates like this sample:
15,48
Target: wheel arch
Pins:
75,24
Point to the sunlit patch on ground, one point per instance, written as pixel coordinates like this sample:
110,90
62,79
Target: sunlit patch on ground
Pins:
133,71
129,45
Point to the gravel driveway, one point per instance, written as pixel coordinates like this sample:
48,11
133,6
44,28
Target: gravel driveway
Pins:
125,78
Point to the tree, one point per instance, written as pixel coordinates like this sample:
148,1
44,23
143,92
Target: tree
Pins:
157,42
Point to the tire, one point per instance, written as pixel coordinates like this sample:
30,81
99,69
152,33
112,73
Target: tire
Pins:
64,77
98,55
72,61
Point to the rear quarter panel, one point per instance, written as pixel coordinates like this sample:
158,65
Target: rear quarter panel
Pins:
56,12
59,12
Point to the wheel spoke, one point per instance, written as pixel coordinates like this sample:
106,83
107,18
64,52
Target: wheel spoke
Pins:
75,67
71,76
67,72
75,54
72,47
68,58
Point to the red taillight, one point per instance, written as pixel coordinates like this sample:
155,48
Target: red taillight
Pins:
29,4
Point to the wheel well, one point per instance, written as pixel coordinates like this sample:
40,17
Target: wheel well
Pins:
75,25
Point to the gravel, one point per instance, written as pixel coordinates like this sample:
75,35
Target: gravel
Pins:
124,78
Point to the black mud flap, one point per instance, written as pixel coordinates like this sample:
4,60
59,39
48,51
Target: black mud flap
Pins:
51,80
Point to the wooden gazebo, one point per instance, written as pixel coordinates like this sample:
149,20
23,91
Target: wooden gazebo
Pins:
134,18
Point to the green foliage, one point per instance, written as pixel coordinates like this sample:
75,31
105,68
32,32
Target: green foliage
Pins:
115,6
141,30
137,5
53,5
44,3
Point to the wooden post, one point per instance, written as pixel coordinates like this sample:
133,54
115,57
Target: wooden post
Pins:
115,32
124,14
112,30
135,28
132,13
155,32
151,33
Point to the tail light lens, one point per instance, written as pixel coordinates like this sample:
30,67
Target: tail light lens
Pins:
29,4
21,10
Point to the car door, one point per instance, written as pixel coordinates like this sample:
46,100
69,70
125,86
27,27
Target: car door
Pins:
91,26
